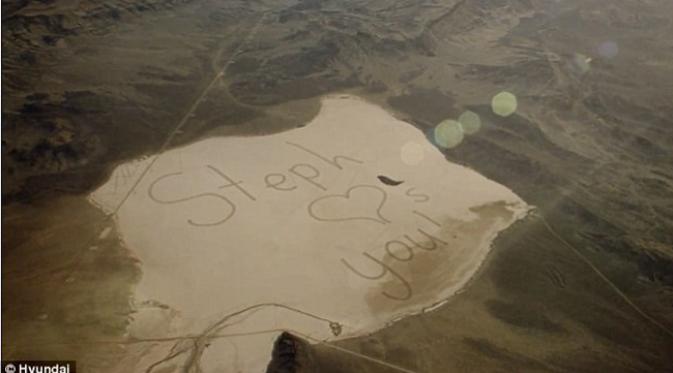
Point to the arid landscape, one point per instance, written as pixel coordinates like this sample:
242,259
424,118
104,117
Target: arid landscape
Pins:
562,108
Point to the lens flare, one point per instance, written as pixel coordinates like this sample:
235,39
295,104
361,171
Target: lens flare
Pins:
412,153
581,63
504,104
448,134
470,122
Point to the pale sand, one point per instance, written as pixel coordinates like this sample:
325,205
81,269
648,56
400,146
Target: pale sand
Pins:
208,248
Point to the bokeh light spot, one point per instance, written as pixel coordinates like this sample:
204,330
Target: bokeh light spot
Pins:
449,133
504,104
412,153
608,49
581,63
470,122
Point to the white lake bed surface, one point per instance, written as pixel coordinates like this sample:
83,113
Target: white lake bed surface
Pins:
298,221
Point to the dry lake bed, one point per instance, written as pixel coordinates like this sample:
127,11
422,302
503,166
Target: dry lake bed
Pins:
355,218
182,181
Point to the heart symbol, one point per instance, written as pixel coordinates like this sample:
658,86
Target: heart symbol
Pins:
335,207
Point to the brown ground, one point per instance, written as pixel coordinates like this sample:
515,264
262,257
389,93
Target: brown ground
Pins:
87,85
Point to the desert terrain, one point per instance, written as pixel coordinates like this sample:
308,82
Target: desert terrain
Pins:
564,107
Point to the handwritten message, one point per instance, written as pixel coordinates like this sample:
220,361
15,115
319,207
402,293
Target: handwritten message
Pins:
330,208
355,217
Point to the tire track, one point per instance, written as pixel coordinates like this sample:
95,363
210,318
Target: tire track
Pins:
185,118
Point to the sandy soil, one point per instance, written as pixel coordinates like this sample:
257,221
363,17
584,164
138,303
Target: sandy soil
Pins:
88,85
301,220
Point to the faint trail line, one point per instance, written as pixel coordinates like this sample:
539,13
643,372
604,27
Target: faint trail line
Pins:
600,274
207,333
188,114
262,305
179,338
172,355
196,339
257,332
353,353
200,343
